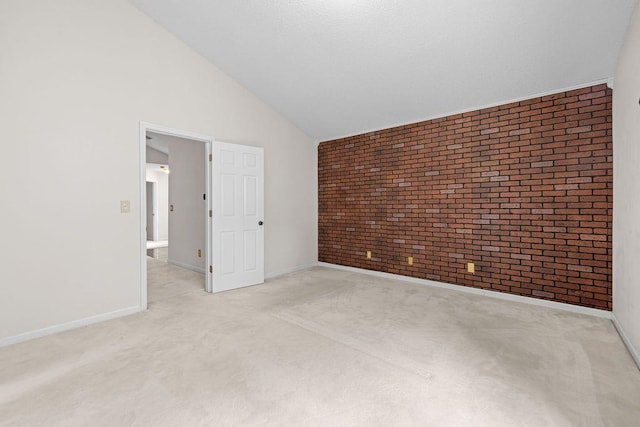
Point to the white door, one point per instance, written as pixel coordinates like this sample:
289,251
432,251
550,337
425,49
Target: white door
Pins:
237,192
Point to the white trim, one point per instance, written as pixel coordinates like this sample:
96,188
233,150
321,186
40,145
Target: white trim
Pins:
74,324
279,273
164,130
157,244
208,253
635,355
187,266
610,82
481,107
493,294
143,215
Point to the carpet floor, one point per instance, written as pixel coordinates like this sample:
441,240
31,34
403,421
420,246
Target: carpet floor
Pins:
323,347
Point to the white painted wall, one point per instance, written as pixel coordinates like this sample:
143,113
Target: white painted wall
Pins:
187,227
76,78
162,180
626,186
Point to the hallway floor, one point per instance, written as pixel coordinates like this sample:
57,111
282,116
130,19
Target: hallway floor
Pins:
323,347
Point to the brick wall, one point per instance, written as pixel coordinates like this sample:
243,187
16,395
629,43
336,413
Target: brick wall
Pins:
523,190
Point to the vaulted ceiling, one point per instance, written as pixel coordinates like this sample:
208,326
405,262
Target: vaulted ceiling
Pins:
342,67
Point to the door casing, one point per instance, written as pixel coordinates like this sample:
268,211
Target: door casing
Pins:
164,130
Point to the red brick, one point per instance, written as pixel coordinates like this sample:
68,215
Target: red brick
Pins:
523,190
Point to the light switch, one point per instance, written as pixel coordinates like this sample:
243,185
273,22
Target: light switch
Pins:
125,207
471,267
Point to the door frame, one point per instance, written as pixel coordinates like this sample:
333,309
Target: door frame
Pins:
164,130
155,228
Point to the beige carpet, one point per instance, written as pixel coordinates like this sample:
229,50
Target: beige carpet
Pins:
323,347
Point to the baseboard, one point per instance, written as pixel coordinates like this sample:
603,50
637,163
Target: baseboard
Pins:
74,324
187,266
493,294
635,355
157,244
275,274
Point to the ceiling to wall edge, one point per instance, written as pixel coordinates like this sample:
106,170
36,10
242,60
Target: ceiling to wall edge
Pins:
237,82
361,122
608,80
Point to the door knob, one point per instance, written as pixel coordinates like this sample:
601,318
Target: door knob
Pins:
260,222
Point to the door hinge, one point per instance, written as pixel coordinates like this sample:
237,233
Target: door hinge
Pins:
211,269
210,157
210,213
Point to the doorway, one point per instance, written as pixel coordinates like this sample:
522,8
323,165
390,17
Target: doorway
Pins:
175,186
229,207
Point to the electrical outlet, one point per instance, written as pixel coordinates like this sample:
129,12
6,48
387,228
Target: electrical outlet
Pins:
125,206
471,267
368,254
199,253
410,260
170,208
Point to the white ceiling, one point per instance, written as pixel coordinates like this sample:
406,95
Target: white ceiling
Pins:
342,67
160,142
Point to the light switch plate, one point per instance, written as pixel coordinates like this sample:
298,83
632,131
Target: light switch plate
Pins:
125,206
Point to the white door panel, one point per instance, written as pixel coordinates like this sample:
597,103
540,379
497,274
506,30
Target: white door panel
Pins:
238,210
